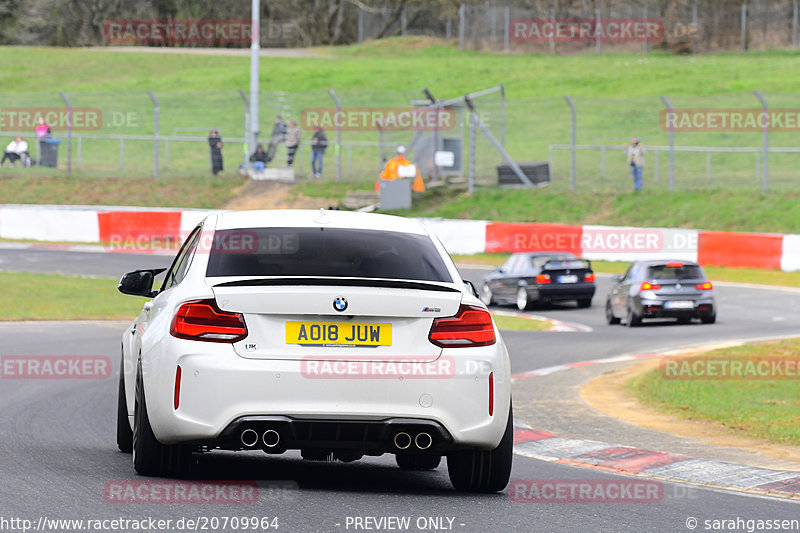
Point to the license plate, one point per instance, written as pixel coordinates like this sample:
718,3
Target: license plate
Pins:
339,333
679,304
568,279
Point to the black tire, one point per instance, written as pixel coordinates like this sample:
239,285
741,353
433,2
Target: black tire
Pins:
124,432
150,457
417,461
487,297
632,319
584,303
610,318
708,319
524,303
483,471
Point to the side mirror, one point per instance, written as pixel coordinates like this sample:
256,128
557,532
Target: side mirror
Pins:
499,270
616,278
471,287
139,282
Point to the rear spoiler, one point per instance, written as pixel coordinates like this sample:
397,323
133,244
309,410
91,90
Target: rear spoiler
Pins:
555,264
338,282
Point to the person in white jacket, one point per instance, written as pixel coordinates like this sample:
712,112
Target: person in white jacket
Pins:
15,151
635,154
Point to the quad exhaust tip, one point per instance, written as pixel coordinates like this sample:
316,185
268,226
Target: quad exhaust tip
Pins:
270,438
249,437
423,441
402,440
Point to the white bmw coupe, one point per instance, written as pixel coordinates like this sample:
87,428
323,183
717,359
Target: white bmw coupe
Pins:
334,333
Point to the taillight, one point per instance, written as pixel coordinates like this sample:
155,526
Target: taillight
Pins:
589,277
674,264
472,326
543,279
202,320
704,286
647,286
177,399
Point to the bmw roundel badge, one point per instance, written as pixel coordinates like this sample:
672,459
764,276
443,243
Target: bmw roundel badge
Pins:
340,303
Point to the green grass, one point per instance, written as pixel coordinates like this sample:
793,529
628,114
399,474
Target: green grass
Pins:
513,323
716,209
58,297
617,96
196,192
766,409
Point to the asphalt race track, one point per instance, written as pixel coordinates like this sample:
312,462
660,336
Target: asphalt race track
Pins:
58,450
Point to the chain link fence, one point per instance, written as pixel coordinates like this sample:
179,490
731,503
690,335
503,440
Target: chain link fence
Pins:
123,140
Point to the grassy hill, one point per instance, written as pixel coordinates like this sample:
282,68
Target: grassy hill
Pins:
617,96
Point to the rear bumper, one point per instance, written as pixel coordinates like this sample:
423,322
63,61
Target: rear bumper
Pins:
276,434
565,291
655,308
219,390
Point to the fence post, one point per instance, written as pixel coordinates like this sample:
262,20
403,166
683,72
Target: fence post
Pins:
360,25
246,125
492,24
708,166
644,41
572,138
694,25
471,169
596,34
765,142
506,32
403,21
80,150
69,130
552,34
671,144
794,24
122,153
744,26
338,135
156,113
461,17
503,115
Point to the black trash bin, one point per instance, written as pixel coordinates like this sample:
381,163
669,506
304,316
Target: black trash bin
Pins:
49,152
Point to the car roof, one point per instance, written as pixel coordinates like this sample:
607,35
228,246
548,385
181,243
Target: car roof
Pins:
321,218
662,262
545,254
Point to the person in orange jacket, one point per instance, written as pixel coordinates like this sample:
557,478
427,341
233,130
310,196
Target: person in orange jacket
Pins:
391,172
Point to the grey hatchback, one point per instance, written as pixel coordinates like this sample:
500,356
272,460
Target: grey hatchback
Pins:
655,289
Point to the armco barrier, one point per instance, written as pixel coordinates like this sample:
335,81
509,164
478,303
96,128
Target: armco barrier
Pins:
110,224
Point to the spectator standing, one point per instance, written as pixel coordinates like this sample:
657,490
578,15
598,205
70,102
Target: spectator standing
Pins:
215,145
17,150
635,154
319,142
278,136
292,142
42,132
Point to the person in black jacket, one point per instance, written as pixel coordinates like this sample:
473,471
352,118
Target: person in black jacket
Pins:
259,158
215,145
319,142
278,136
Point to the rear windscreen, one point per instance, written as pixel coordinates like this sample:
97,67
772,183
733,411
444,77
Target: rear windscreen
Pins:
675,272
572,264
325,252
